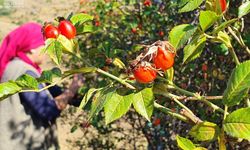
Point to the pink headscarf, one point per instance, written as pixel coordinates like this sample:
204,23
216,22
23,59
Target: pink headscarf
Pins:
19,42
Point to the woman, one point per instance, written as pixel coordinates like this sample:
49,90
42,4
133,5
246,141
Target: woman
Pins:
27,119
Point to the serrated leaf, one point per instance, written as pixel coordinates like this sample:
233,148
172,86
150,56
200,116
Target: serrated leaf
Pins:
207,19
27,81
54,50
224,25
180,34
87,97
185,144
48,75
99,100
237,124
8,88
194,49
117,106
66,44
244,9
85,29
191,5
205,131
238,84
143,102
80,18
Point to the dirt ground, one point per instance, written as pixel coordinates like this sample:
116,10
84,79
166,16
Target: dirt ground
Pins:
16,12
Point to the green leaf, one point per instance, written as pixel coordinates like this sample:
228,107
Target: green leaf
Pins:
237,124
238,84
244,9
194,49
191,5
27,81
80,70
224,25
8,88
85,29
205,131
117,62
116,106
143,102
207,19
185,144
99,100
87,97
136,48
54,50
66,44
74,128
181,3
48,42
48,75
200,148
180,34
224,38
80,18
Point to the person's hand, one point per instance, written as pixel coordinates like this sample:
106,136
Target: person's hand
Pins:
76,83
63,99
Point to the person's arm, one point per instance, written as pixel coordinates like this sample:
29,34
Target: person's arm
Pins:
43,104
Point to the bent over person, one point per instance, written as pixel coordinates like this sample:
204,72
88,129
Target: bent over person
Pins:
27,120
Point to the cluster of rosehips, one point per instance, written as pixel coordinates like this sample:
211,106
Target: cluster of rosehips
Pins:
158,57
65,28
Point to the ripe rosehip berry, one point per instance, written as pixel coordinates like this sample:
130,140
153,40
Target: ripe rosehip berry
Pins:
67,29
164,59
223,5
204,67
147,3
144,74
97,23
133,30
161,33
157,122
50,31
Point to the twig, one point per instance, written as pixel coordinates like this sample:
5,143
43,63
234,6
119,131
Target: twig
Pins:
46,87
170,112
115,78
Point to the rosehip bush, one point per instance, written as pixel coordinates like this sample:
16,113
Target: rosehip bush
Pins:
144,56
